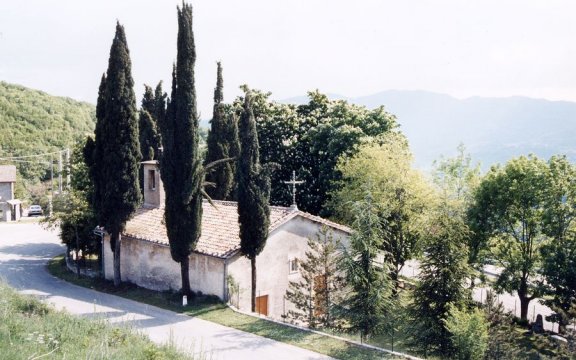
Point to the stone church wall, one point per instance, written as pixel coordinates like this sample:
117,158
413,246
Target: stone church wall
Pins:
150,265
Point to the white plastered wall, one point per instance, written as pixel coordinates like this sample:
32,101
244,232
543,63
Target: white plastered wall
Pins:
288,242
150,265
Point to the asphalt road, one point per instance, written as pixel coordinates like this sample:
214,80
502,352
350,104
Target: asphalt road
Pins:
24,252
509,301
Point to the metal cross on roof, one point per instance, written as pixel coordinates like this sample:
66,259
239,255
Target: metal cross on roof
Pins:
294,182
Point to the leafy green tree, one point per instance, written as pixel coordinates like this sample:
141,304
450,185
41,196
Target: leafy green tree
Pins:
253,194
559,254
72,212
315,296
369,288
181,165
309,139
509,208
468,332
443,274
222,143
559,271
457,179
401,195
117,150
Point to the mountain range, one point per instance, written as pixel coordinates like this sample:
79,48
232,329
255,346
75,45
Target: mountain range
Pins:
493,130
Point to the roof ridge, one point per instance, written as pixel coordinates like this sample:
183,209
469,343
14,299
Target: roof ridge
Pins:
321,220
235,203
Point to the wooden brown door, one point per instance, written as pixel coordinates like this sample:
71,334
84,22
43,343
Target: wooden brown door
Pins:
262,305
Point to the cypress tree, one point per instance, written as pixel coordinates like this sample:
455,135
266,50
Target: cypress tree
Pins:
117,149
233,141
222,140
149,136
159,107
181,167
253,193
90,151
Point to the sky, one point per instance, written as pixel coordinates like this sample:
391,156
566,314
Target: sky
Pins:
288,47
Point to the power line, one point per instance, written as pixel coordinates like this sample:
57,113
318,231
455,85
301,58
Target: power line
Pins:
30,156
26,161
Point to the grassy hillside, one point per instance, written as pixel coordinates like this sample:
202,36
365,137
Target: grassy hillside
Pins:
33,122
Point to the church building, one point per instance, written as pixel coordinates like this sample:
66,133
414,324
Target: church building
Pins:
216,266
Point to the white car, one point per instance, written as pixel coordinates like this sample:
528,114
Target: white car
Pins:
35,210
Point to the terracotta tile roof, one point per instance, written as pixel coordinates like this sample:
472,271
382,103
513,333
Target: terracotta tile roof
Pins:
7,173
219,226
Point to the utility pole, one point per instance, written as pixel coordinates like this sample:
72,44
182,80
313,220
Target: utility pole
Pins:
51,186
68,179
59,172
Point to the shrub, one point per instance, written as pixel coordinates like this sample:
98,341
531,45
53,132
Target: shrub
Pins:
468,333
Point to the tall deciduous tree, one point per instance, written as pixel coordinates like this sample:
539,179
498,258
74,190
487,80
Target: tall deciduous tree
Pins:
180,165
400,194
559,254
72,210
310,139
457,179
509,206
253,193
222,143
369,286
117,149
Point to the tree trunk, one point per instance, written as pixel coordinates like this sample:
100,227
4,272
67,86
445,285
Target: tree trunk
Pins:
117,277
77,251
562,326
524,300
185,274
253,265
394,275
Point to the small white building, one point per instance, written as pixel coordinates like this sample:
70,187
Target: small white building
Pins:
216,262
9,207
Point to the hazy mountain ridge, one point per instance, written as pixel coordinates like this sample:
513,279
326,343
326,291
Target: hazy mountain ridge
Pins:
493,129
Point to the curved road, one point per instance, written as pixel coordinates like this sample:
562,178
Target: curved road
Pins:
24,251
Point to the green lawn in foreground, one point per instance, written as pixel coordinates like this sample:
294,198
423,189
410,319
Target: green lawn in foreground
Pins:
209,308
30,329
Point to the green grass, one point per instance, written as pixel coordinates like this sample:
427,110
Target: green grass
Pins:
211,309
30,329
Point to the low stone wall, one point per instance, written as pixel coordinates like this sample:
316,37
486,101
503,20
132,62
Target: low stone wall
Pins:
71,265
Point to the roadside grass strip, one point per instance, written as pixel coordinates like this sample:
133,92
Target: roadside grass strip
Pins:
30,329
212,309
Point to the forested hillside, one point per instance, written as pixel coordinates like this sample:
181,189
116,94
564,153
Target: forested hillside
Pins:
33,122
